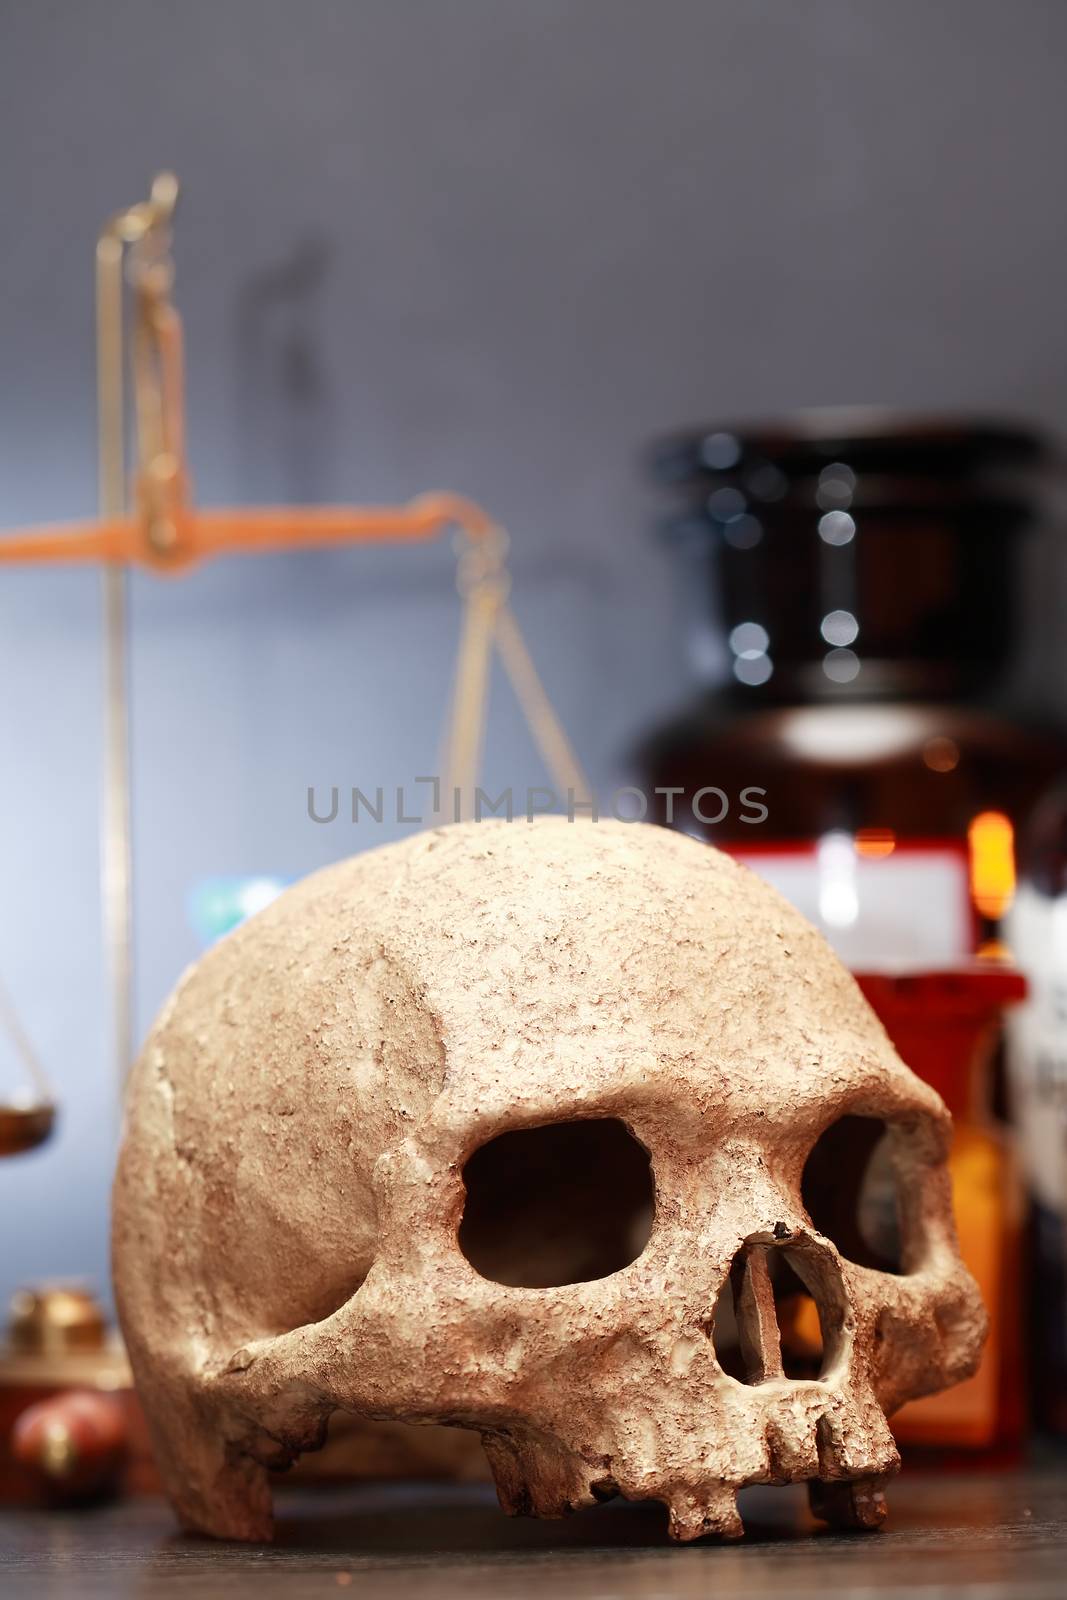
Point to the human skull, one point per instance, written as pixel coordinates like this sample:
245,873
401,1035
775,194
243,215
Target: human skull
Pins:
328,1138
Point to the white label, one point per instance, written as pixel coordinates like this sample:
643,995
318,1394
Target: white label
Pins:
909,908
1037,1040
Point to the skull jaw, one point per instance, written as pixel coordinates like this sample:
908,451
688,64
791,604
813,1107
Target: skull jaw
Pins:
226,1493
838,1444
634,1432
224,1433
533,1482
549,1454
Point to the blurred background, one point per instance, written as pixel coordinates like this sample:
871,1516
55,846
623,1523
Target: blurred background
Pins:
484,245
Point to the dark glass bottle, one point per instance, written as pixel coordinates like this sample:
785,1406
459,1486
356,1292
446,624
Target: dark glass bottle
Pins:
850,581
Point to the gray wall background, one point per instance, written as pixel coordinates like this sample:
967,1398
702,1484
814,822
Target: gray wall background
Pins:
491,245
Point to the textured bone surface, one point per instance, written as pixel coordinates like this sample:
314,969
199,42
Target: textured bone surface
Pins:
314,1112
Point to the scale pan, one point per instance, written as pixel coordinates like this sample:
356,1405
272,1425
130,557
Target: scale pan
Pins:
25,1125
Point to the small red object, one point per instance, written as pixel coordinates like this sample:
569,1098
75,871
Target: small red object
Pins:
73,1443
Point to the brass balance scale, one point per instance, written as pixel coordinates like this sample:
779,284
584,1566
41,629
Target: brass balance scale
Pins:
146,515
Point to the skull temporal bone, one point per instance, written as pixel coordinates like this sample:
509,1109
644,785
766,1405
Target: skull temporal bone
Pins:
290,1192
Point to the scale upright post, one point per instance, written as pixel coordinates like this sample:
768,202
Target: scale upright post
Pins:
128,228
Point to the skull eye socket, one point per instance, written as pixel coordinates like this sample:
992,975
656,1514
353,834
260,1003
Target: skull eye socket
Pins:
565,1203
850,1192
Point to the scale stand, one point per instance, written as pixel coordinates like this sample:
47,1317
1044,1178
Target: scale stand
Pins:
147,515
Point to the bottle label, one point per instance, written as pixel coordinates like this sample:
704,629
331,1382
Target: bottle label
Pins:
881,903
1037,1043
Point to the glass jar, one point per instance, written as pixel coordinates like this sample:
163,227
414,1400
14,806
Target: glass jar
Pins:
849,583
948,1027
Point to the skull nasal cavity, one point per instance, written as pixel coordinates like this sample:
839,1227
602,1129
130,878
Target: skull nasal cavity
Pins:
780,1313
564,1203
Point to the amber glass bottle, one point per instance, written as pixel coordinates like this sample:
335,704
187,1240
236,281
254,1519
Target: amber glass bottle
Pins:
947,1027
850,586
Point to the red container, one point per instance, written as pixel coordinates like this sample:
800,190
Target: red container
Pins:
947,1026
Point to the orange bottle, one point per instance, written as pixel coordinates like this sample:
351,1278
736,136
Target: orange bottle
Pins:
946,1026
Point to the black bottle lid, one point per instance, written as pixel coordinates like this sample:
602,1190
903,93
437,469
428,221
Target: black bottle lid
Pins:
857,553
904,448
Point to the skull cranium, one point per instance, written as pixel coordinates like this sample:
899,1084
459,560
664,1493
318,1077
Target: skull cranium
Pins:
324,1154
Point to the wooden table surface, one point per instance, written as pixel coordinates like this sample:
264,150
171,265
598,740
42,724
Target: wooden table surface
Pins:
981,1535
